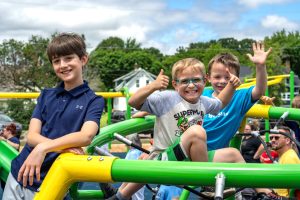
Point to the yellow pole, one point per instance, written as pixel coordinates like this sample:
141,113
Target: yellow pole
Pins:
259,111
32,95
68,169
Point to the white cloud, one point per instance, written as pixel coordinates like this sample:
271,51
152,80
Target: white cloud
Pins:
277,22
152,23
256,3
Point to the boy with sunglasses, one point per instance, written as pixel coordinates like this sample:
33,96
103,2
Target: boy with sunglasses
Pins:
287,155
178,131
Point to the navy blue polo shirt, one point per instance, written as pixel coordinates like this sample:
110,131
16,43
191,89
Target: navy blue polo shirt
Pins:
61,112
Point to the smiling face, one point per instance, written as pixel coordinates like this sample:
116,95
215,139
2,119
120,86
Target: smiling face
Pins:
69,69
189,83
219,77
67,54
279,142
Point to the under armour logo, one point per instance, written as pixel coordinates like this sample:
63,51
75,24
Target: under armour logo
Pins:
79,107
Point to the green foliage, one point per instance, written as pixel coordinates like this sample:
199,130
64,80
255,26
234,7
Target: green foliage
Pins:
286,49
113,58
20,110
25,65
111,43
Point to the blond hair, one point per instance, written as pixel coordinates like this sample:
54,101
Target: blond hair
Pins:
183,64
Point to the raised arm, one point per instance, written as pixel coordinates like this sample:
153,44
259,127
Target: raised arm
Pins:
226,94
139,97
259,59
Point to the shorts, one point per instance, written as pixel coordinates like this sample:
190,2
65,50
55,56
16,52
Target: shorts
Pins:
176,152
14,191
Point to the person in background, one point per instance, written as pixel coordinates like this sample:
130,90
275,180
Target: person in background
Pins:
287,155
9,135
250,145
65,118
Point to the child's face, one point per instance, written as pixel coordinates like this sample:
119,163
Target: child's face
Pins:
219,77
189,84
69,68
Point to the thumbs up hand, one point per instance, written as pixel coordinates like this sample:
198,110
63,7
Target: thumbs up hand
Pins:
162,81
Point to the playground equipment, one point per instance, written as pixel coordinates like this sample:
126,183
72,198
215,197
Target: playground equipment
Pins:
175,173
69,169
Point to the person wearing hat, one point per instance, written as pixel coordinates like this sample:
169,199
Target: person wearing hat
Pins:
287,155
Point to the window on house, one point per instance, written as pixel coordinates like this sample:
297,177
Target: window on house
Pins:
147,82
137,83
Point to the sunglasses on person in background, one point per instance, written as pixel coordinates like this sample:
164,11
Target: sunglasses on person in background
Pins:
274,137
187,81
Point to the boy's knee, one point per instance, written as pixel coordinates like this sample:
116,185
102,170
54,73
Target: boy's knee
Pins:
234,154
197,132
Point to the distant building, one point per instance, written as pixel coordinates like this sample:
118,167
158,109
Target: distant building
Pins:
285,96
133,81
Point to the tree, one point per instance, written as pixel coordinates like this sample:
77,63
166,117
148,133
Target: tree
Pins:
286,47
111,43
113,58
25,65
131,44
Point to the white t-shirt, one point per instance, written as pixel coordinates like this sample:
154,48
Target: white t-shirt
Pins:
174,115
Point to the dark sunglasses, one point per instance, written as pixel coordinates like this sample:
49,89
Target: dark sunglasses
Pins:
274,137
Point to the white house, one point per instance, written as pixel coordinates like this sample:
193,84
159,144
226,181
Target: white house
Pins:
133,81
285,96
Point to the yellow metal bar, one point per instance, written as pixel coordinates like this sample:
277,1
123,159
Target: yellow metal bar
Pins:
270,77
69,168
259,110
253,82
33,95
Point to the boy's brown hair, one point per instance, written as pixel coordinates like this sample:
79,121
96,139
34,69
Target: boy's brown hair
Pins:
65,44
182,64
227,59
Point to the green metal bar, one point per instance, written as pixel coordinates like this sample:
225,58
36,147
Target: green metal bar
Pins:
109,109
128,108
200,173
267,122
109,114
276,112
89,194
142,124
124,128
184,195
7,154
292,86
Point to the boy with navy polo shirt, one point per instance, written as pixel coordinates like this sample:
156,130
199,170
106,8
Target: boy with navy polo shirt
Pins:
65,118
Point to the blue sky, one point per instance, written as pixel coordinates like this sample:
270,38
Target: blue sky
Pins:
164,24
